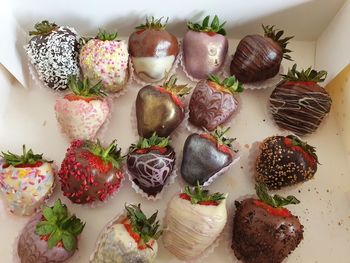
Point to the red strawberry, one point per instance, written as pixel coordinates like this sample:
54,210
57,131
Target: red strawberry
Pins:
50,236
82,112
285,161
150,163
298,103
132,237
153,50
159,109
204,48
258,57
264,231
90,172
205,155
213,102
26,181
194,220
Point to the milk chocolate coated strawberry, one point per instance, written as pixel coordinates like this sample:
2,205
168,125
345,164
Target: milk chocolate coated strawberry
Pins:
153,50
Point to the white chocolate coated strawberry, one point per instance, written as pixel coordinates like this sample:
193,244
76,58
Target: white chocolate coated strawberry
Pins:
105,61
26,189
192,228
80,119
117,246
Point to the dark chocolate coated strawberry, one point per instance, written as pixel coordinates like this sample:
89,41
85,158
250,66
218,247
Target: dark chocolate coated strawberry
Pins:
204,48
258,58
153,50
205,155
150,163
285,161
159,108
264,231
53,51
298,103
90,172
213,102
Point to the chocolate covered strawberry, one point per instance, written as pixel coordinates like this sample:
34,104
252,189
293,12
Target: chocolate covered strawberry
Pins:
159,108
204,48
213,102
194,220
82,112
150,163
50,236
90,172
105,59
285,161
206,155
153,50
258,58
26,181
130,238
53,51
298,103
264,231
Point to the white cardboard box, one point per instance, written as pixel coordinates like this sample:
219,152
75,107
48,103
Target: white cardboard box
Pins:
322,40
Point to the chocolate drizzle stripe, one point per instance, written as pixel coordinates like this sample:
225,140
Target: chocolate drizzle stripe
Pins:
300,111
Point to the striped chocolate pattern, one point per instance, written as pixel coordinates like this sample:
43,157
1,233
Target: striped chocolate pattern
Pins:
151,170
299,108
256,58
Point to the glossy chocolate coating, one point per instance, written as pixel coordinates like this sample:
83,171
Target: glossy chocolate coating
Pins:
259,237
298,107
31,249
153,43
150,171
201,160
278,166
157,112
204,54
209,107
256,58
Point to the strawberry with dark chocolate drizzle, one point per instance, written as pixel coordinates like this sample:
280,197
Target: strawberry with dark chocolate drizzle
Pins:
213,102
205,155
263,230
159,108
153,50
150,163
90,172
299,103
285,161
258,58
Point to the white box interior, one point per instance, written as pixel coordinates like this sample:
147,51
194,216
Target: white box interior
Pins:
27,116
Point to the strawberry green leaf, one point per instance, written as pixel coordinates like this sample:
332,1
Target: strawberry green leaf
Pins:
43,28
152,23
69,241
230,84
110,154
50,215
54,238
305,75
105,36
198,194
44,228
276,200
154,140
214,27
84,88
206,22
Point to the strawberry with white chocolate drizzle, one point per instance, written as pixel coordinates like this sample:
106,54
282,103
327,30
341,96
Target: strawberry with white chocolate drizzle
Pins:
285,161
129,239
104,58
194,220
82,112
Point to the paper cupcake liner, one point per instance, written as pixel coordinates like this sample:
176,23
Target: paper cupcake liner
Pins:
285,131
170,180
115,220
228,123
236,146
43,201
253,154
142,82
175,134
221,72
268,83
209,250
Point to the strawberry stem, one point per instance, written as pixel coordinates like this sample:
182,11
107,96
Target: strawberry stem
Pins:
275,201
198,194
152,23
231,83
305,75
214,27
83,88
177,90
43,28
111,154
219,135
154,140
105,36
